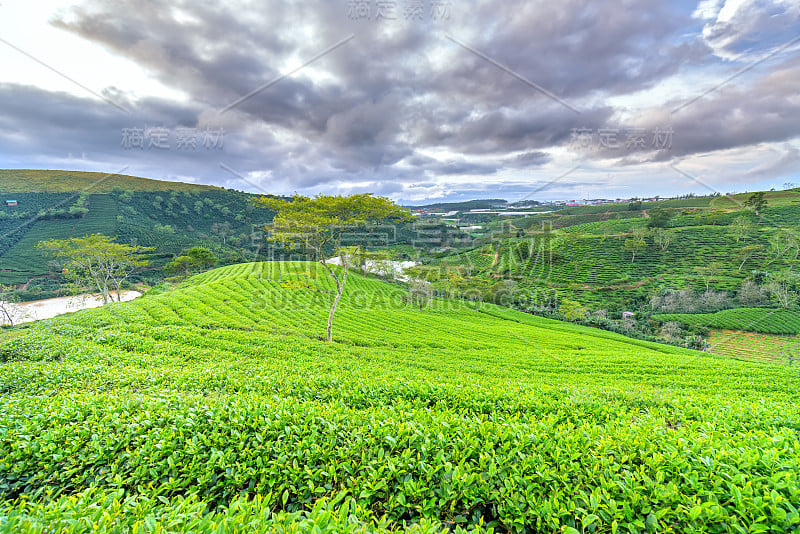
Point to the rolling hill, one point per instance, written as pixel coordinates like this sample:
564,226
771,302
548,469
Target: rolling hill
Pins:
216,407
581,254
168,216
59,181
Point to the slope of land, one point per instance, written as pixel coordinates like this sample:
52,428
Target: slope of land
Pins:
762,320
58,181
767,348
583,253
216,407
168,216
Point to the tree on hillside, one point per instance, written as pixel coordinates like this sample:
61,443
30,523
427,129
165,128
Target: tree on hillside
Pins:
663,238
781,288
223,230
503,293
10,313
637,243
190,260
745,253
420,292
709,272
741,228
659,218
97,260
572,310
783,241
324,224
756,202
750,294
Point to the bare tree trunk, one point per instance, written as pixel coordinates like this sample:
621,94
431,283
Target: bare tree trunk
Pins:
100,288
6,312
339,291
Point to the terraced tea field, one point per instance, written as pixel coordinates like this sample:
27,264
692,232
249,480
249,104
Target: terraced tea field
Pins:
26,260
767,348
763,320
216,407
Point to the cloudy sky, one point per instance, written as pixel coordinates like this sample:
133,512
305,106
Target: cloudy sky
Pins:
416,100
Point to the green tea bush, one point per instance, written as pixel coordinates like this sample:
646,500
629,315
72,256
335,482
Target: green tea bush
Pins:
216,408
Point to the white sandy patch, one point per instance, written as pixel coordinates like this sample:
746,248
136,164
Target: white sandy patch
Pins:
390,267
35,310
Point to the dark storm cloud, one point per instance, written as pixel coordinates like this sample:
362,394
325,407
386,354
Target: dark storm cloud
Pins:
375,109
734,116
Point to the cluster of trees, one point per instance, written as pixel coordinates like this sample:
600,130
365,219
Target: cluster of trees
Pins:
762,289
76,211
195,258
97,260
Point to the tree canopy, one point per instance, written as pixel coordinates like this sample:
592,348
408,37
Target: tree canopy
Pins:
327,224
756,202
191,259
97,260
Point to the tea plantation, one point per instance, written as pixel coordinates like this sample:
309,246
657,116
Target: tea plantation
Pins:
216,408
764,320
767,348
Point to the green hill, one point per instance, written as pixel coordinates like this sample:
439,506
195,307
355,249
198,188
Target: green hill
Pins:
168,216
216,407
56,181
584,255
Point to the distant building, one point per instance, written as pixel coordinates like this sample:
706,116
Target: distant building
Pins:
627,314
11,202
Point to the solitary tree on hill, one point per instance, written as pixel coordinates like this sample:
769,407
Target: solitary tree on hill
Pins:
663,238
637,243
745,253
756,202
741,228
709,272
781,288
659,218
326,224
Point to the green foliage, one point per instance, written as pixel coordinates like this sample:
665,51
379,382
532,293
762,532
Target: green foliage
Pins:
97,260
756,202
572,310
340,224
658,218
216,408
132,217
190,260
